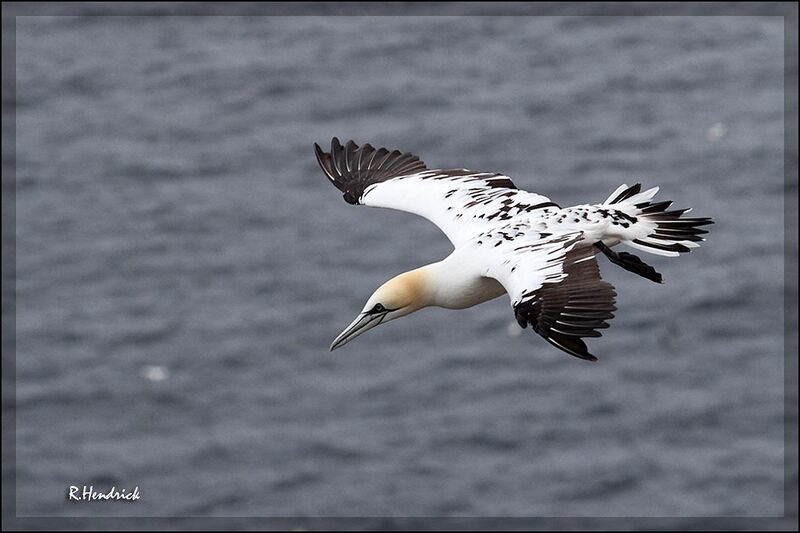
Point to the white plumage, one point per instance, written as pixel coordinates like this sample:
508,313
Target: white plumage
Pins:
507,241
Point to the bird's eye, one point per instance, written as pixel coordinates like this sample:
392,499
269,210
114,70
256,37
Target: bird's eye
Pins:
378,308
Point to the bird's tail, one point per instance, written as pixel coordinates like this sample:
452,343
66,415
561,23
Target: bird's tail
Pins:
650,226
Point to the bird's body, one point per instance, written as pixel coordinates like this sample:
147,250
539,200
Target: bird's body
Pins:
507,241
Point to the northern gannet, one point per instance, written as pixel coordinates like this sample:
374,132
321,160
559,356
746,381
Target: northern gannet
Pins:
507,241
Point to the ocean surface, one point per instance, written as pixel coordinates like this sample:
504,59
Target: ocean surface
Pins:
183,264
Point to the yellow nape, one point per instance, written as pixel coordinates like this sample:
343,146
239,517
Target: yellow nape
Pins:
408,291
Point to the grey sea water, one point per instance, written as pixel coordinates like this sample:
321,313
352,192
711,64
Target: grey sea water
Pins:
183,264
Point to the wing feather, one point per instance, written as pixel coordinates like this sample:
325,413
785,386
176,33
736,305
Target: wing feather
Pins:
555,286
461,202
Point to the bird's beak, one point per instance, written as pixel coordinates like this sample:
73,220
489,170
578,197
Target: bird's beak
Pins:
362,323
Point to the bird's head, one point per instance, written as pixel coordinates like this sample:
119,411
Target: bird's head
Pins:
398,297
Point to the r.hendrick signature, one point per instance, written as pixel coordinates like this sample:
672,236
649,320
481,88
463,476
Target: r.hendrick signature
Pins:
87,494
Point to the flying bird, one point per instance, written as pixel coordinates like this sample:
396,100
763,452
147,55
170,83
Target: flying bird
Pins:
507,240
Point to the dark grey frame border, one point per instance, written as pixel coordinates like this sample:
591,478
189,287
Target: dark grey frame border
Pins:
788,10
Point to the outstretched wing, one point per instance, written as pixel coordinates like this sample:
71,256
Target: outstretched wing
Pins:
554,284
460,202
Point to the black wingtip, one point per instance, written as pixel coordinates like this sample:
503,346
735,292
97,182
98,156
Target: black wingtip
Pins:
577,306
573,346
585,356
352,169
324,161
